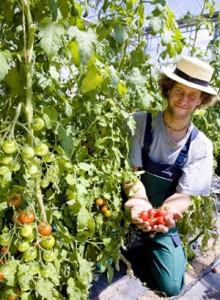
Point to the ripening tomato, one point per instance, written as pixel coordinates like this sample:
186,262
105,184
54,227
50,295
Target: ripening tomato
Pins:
103,208
26,217
44,228
107,213
14,200
1,276
99,202
4,249
144,215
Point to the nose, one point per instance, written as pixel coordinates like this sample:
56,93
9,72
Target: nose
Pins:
183,98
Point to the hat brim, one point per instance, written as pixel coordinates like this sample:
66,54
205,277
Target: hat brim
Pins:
207,89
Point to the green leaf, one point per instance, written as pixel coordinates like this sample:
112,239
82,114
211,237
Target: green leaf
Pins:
86,42
53,8
51,35
5,56
91,81
50,116
66,139
121,34
74,49
44,287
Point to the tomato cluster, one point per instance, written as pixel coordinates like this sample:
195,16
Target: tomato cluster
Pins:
154,216
31,239
103,207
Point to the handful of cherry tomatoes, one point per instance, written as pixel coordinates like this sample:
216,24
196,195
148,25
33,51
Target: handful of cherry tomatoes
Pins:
154,216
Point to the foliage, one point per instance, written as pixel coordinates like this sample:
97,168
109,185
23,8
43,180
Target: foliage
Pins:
67,88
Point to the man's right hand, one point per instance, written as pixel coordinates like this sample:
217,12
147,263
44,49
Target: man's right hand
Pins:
136,206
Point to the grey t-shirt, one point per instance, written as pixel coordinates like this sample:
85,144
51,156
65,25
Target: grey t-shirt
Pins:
197,171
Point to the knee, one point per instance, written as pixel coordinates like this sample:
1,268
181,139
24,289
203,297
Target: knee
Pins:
172,288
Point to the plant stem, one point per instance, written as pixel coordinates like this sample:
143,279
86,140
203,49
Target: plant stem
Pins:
28,52
40,201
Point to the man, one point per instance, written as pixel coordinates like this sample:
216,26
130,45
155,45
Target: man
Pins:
177,160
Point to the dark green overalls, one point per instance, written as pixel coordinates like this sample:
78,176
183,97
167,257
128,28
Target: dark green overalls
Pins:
164,258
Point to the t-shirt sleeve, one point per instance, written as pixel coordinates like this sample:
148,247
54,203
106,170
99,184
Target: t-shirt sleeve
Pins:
198,170
135,152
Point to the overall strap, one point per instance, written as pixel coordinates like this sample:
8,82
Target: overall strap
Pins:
180,161
148,136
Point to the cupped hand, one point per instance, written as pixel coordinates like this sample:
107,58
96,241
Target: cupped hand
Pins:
137,206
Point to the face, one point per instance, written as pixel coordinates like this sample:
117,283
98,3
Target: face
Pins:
183,100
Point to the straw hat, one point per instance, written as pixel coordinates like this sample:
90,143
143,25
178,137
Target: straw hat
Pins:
194,73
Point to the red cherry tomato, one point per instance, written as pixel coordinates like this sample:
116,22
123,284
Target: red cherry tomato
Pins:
161,221
144,215
151,212
161,212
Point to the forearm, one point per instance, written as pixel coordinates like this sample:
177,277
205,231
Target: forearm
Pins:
178,202
135,191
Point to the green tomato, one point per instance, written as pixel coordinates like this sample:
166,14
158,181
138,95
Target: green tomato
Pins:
33,170
27,152
15,167
38,124
49,157
48,242
49,255
45,272
41,149
9,147
6,160
26,230
32,236
44,183
4,170
30,254
5,239
23,246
